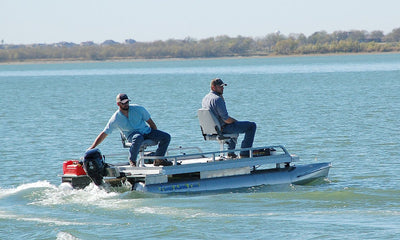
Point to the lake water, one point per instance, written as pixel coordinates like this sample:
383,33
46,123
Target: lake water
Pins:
342,109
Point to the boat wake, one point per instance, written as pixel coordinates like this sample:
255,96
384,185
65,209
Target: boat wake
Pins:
43,193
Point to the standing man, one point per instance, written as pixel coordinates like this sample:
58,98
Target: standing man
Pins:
135,123
214,101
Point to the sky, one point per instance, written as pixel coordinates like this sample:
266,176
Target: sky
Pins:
52,21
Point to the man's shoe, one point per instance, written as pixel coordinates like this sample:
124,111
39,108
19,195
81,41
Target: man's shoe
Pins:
232,155
133,164
162,162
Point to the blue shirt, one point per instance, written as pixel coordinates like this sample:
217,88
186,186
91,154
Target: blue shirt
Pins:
135,122
216,104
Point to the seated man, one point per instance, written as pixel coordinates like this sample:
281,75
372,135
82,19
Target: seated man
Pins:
216,103
135,123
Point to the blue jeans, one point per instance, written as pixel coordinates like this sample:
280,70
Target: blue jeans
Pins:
246,127
136,138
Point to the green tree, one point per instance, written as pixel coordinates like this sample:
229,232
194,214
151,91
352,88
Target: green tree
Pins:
319,38
394,36
286,47
376,36
358,36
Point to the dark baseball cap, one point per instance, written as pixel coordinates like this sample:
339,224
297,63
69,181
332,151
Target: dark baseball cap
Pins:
122,98
218,82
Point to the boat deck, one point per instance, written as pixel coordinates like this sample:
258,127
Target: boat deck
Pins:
208,161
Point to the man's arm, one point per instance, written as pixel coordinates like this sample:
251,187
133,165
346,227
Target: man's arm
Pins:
223,113
98,140
152,125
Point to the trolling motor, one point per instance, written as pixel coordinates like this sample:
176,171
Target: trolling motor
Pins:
94,165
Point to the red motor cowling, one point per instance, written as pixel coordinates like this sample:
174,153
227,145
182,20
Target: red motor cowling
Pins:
73,167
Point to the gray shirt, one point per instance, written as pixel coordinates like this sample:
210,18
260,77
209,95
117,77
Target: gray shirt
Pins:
216,103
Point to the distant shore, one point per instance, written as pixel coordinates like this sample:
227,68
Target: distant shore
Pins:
55,61
272,45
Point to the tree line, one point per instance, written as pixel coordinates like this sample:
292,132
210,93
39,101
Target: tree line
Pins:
272,44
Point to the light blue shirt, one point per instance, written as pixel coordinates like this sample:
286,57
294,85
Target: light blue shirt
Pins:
135,122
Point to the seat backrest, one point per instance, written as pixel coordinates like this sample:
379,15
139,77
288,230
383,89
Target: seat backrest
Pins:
208,122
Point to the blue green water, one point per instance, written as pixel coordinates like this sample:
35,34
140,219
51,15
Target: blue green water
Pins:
343,109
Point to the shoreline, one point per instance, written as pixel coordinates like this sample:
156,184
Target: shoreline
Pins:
57,61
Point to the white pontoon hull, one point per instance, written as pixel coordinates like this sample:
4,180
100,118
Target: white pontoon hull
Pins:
301,175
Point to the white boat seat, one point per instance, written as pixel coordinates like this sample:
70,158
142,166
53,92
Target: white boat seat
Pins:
146,143
211,128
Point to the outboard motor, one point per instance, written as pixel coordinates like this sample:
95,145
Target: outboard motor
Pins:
94,165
